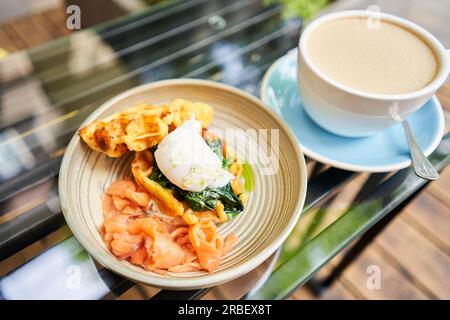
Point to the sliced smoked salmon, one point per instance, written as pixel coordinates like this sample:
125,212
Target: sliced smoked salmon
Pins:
134,229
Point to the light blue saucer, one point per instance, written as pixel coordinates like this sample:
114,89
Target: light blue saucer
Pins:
383,152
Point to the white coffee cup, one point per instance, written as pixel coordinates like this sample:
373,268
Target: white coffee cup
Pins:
353,113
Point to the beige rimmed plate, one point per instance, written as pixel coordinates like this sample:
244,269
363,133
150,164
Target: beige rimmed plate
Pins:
274,206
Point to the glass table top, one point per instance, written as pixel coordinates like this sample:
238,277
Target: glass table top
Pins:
47,91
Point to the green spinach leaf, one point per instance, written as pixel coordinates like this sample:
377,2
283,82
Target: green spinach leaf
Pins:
207,200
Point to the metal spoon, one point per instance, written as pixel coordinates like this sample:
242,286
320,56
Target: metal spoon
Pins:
421,165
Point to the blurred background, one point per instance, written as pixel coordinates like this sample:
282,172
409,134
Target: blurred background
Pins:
52,76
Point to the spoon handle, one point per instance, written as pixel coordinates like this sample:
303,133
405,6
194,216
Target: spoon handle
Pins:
422,166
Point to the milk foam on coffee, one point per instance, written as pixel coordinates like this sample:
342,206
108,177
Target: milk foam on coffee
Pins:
385,60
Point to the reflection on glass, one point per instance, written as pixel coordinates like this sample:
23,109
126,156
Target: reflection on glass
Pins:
64,272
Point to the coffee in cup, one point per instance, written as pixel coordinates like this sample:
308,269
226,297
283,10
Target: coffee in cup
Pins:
387,59
355,78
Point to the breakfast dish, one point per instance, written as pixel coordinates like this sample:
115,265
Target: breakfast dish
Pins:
184,182
383,152
276,193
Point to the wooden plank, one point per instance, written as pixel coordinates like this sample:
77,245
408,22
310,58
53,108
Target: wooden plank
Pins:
445,102
54,31
444,90
30,32
338,291
58,18
40,27
440,188
94,12
303,293
443,95
431,217
6,43
19,43
447,121
134,293
418,257
352,283
393,285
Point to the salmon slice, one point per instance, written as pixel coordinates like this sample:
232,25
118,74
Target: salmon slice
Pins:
117,223
153,227
134,226
119,187
139,257
179,232
228,243
185,268
189,252
133,211
206,244
183,240
120,203
166,253
109,209
158,242
140,198
124,245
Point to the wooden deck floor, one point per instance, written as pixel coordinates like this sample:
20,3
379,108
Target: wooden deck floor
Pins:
413,252
31,31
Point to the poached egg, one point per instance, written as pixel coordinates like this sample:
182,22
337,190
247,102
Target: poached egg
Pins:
188,162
